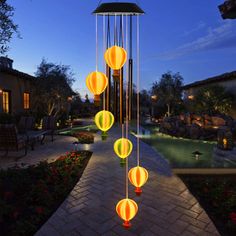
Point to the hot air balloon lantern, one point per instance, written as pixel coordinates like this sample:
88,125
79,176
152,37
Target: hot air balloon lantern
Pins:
115,58
123,147
138,176
127,209
104,121
96,83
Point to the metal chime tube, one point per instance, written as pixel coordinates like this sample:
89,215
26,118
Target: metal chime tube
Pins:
130,71
121,75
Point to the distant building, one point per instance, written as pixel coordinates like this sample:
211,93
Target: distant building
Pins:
15,88
227,80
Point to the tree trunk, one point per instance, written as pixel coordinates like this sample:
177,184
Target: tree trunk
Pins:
168,110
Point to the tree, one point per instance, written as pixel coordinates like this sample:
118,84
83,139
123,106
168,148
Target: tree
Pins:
7,26
145,102
52,88
213,99
168,90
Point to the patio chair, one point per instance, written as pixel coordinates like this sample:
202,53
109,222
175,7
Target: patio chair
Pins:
10,140
49,126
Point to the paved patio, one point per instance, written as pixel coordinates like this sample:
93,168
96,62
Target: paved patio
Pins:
48,151
165,208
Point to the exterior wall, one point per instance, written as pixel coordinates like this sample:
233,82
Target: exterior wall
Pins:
230,86
17,86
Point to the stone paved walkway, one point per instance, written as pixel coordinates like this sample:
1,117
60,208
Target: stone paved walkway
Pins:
49,151
166,207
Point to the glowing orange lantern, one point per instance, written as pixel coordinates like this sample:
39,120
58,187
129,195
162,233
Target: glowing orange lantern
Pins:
115,58
126,209
96,83
138,176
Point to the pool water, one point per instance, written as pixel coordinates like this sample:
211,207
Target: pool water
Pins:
179,151
90,128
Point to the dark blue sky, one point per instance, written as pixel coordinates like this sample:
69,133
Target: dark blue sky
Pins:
183,36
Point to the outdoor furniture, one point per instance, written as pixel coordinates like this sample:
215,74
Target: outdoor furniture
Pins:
10,140
49,125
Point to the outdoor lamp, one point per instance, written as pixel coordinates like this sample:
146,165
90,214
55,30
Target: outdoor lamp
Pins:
123,147
138,176
104,121
115,58
225,143
126,209
96,83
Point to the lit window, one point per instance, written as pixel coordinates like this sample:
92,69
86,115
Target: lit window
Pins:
6,101
26,100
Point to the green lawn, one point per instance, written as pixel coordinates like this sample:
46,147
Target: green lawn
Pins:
90,128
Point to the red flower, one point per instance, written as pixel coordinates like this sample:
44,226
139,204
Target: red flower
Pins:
8,195
232,216
39,210
15,214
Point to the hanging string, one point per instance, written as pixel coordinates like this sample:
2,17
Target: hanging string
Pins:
108,32
96,42
138,94
104,63
127,115
115,32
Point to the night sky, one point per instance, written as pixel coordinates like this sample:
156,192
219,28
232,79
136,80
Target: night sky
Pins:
183,36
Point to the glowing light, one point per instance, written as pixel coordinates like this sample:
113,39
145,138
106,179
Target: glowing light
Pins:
104,120
123,147
138,176
126,209
115,57
96,83
225,143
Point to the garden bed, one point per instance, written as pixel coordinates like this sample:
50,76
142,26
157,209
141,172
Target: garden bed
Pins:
217,195
28,197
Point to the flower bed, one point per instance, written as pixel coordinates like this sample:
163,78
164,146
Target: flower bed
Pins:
217,195
84,137
29,196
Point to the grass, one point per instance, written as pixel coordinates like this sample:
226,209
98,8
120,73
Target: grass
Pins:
217,194
90,128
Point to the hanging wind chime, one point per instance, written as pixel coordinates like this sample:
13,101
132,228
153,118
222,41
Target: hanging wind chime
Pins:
118,60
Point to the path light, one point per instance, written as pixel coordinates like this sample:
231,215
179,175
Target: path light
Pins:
96,83
115,58
225,143
76,144
197,154
127,209
123,147
138,176
104,121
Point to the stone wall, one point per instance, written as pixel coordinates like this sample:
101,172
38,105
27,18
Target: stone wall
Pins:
193,126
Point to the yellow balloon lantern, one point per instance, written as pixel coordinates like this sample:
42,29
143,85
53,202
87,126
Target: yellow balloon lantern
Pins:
126,209
138,176
123,147
104,120
96,83
115,58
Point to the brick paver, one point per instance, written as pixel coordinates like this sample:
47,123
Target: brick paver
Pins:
49,151
166,207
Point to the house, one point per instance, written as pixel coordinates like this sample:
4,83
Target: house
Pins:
15,88
227,80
